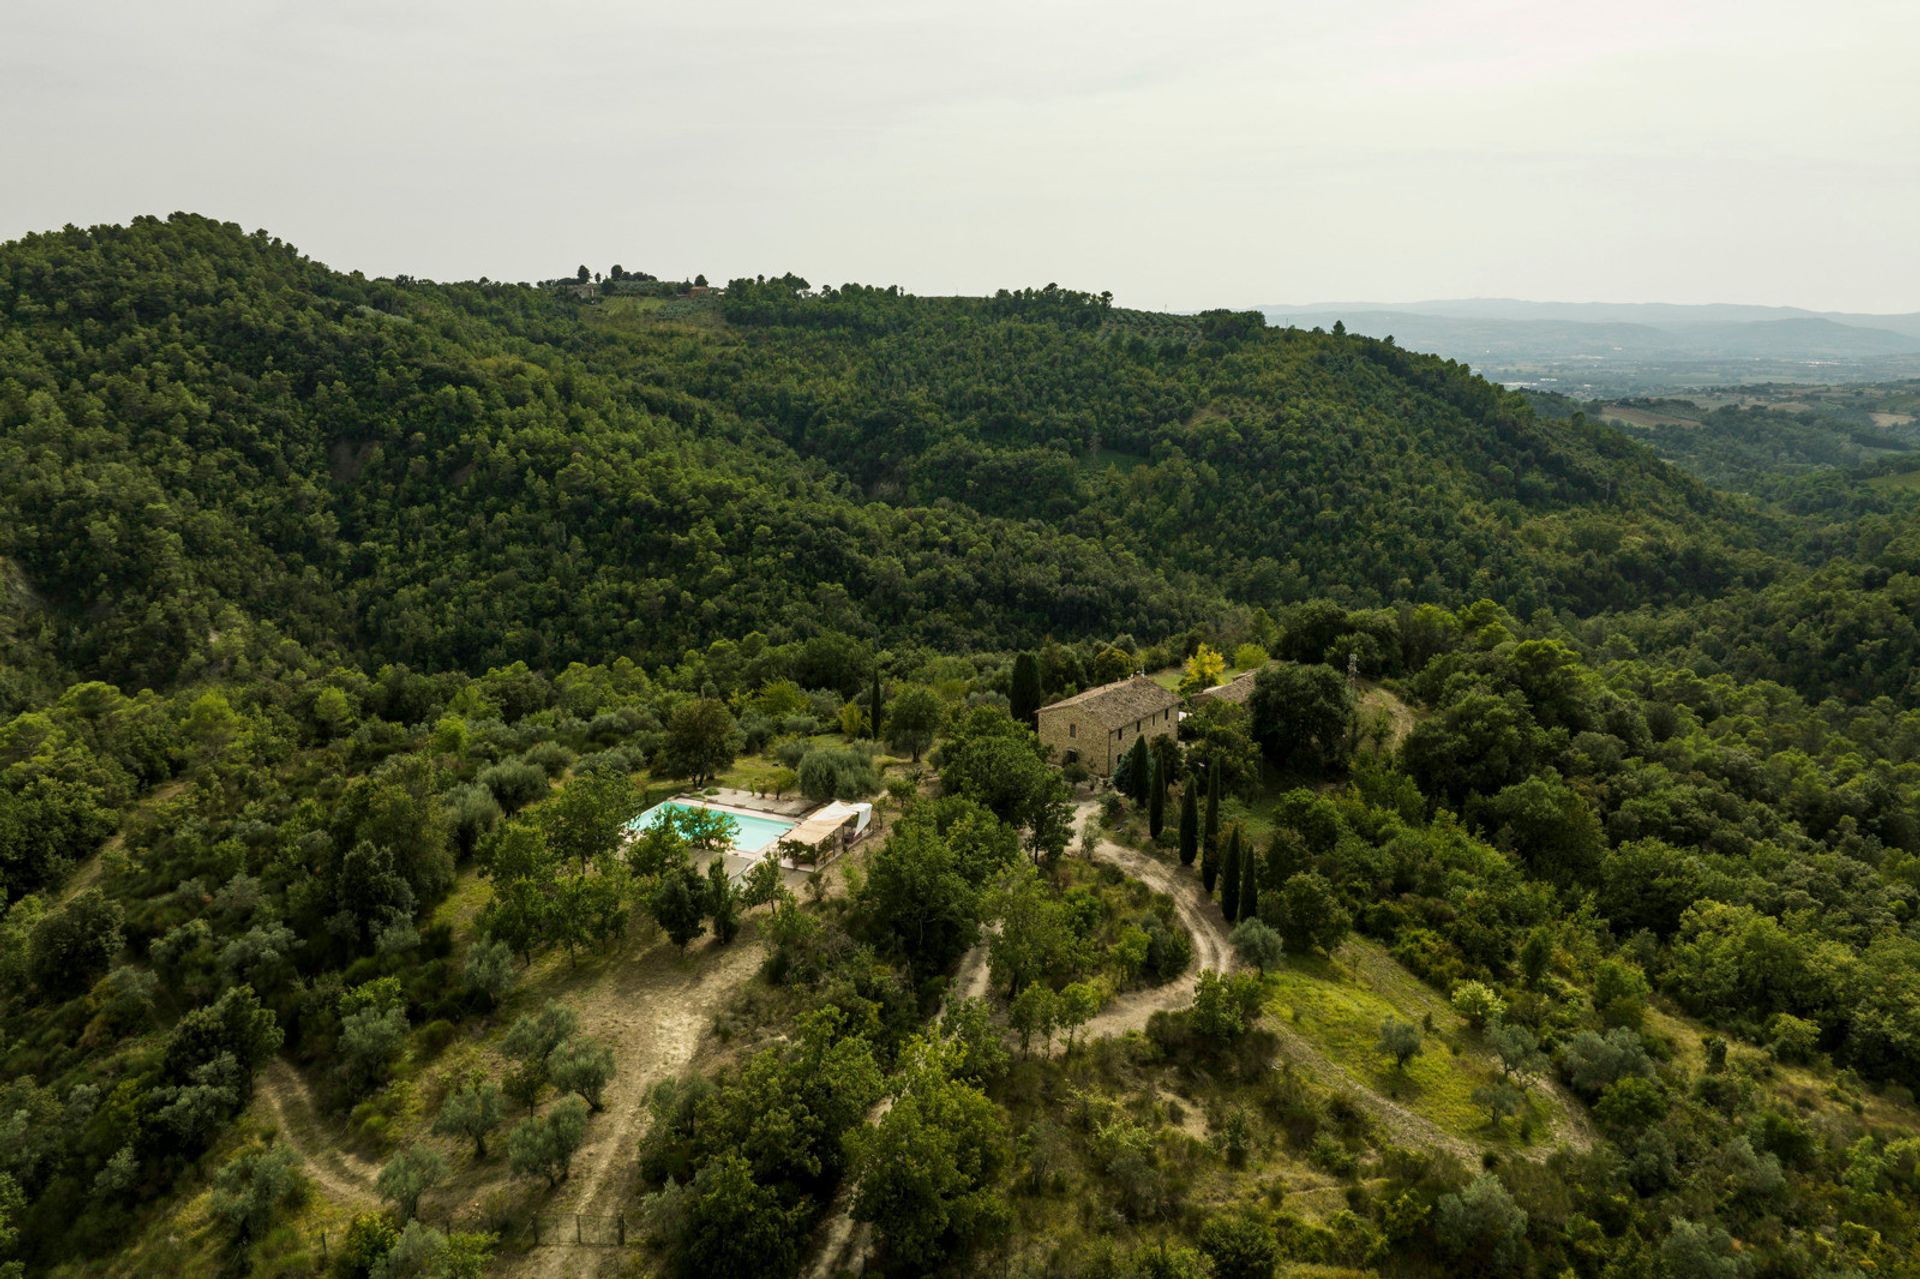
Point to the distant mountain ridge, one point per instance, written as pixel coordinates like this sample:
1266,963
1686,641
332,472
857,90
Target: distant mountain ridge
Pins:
1624,347
1663,315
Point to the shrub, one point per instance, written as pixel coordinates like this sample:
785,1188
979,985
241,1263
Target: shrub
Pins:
1258,944
72,945
543,1145
1158,1261
1234,1135
1792,1039
408,1175
1701,1250
837,773
1169,950
422,1252
1330,1154
1630,1104
1481,1227
1224,1007
489,972
1593,1062
550,758
369,1239
434,1037
515,783
1477,1002
250,1189
1620,993
1240,1246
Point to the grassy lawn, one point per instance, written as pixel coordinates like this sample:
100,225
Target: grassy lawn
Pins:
756,772
1169,678
753,773
1338,1004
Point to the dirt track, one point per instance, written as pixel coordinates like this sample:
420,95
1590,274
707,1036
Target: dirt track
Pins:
1198,915
844,1241
1211,949
655,1011
285,1102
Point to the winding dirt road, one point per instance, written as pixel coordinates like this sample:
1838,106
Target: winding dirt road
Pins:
1198,915
1211,949
285,1101
844,1242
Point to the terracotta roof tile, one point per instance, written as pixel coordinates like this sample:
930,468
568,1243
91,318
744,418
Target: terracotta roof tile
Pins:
1119,703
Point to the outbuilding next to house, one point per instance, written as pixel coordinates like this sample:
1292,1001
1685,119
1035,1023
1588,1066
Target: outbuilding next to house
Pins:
1096,727
1238,690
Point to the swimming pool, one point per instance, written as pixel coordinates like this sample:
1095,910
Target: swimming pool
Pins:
754,833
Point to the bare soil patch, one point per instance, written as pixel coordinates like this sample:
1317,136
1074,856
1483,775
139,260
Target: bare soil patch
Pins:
656,1011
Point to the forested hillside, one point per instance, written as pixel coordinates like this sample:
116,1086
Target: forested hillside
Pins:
195,420
1549,907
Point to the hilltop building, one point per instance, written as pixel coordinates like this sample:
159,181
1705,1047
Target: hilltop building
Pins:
1096,727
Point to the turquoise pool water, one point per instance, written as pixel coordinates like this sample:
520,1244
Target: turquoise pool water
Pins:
754,835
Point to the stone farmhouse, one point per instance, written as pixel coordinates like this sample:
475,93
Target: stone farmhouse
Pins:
1098,726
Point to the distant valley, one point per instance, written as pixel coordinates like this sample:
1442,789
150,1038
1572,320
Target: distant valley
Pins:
1589,349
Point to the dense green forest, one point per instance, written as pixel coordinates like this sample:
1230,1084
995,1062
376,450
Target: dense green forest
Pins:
199,421
1753,439
1570,838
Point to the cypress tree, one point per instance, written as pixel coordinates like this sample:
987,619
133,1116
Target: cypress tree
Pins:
1166,763
874,703
1156,805
1142,771
1025,693
1123,772
1249,885
1230,877
1189,822
1212,829
1210,864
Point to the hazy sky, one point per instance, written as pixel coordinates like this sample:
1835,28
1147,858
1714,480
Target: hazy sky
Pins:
1181,154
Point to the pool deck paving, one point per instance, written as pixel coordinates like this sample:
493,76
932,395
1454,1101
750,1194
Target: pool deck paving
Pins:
793,808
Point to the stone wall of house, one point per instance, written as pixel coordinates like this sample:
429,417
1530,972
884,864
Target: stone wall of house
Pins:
1163,724
1053,736
1073,729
